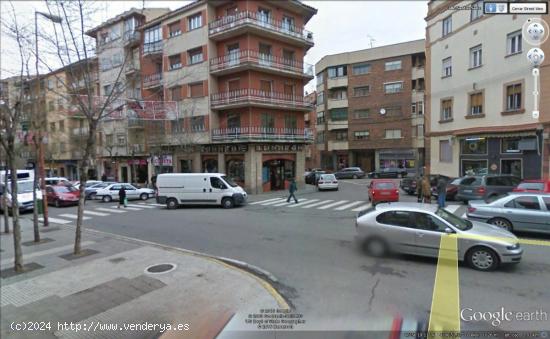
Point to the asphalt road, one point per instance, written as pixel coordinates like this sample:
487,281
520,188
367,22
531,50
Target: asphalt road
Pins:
321,269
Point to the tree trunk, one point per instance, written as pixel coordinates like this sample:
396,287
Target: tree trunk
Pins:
35,208
5,200
18,260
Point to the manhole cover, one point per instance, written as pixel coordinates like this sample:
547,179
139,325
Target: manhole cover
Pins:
160,268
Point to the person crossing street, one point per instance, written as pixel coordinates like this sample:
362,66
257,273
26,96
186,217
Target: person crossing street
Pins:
292,189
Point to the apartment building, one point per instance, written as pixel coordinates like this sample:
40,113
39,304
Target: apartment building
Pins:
236,71
310,120
370,108
479,94
118,40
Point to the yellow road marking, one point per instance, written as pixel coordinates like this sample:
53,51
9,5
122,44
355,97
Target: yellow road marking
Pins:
444,314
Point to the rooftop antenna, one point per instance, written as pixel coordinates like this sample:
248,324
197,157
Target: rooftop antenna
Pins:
371,40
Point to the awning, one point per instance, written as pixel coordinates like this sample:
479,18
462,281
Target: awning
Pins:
499,135
529,144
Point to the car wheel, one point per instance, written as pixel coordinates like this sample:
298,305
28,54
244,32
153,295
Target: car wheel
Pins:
144,196
502,223
56,203
107,198
227,203
376,247
355,176
482,259
171,204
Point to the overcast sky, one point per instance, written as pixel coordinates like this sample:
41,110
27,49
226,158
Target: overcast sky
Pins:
339,26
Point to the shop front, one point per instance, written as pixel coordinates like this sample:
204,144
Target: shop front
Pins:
228,159
138,168
398,158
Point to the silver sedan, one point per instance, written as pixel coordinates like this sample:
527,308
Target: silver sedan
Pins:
417,229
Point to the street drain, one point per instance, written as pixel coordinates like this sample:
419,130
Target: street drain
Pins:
160,268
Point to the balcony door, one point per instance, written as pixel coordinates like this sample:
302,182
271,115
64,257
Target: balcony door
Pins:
265,54
234,122
233,87
264,16
287,24
268,123
266,88
289,91
288,57
233,53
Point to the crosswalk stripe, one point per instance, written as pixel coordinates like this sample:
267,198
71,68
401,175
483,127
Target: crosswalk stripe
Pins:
153,204
332,205
288,203
73,216
318,203
274,202
341,208
99,214
261,201
55,220
364,207
452,208
109,210
141,206
128,208
304,203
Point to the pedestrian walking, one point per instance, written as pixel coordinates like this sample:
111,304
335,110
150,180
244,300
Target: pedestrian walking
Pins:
441,191
291,190
122,197
419,188
426,189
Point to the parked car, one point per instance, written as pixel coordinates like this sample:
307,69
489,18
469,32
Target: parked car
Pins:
452,187
62,195
306,173
417,229
110,192
90,192
541,186
327,182
350,173
313,177
25,183
485,187
175,189
517,211
408,184
56,180
381,190
389,172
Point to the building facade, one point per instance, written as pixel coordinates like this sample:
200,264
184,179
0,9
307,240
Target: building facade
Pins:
370,108
479,94
313,159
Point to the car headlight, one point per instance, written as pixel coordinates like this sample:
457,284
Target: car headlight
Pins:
513,247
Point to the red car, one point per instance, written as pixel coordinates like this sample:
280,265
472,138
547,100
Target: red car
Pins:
62,195
383,191
539,186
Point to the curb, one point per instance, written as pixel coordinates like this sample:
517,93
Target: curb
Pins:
265,278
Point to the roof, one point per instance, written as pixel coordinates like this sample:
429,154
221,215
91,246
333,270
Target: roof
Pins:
131,12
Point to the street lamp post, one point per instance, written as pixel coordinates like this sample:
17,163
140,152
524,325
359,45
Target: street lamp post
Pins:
41,161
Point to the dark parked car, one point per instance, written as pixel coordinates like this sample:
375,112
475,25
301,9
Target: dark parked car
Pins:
486,187
409,184
313,177
390,172
350,173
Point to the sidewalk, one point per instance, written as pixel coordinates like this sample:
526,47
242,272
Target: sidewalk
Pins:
110,287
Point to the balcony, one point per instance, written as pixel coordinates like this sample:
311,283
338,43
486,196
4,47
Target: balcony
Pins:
80,131
131,38
152,80
132,67
233,25
240,134
80,84
337,145
417,72
249,59
152,49
137,148
337,103
337,124
255,97
337,82
136,123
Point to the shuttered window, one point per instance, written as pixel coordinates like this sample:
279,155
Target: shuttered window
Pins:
476,103
196,90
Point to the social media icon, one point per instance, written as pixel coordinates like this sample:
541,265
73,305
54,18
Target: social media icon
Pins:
490,8
502,8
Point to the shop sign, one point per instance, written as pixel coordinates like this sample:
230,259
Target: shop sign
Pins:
279,148
238,148
166,160
137,162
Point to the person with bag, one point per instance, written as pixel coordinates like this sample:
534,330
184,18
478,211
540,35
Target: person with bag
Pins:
122,197
426,189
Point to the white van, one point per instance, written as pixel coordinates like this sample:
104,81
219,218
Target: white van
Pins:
25,181
175,189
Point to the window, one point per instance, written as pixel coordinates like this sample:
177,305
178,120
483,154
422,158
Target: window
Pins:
51,105
289,57
320,137
474,146
546,202
341,135
217,183
109,139
337,71
473,167
445,151
361,135
320,118
393,87
393,111
392,65
320,98
512,167
264,15
361,113
151,39
60,103
197,124
395,218
175,61
195,21
361,91
427,222
62,126
447,25
196,90
320,78
105,64
268,121
291,121
446,110
476,10
420,130
524,203
475,57
510,145
420,107
50,84
121,139
52,127
62,147
339,114
476,103
413,108
287,24
513,42
339,94
117,60
195,56
447,67
233,120
513,97
393,134
107,89
174,29
361,69
175,93
115,32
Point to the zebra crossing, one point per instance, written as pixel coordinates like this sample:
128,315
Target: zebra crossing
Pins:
67,218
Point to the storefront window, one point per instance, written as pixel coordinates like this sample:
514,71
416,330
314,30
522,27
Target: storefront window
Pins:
186,166
474,146
397,163
210,166
511,166
510,146
474,167
235,170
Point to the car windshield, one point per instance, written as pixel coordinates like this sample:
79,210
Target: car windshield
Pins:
229,181
461,224
456,181
22,187
64,189
384,185
328,177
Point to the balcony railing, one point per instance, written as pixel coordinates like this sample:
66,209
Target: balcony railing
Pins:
136,123
256,19
262,133
152,47
239,58
152,80
80,131
256,96
131,38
